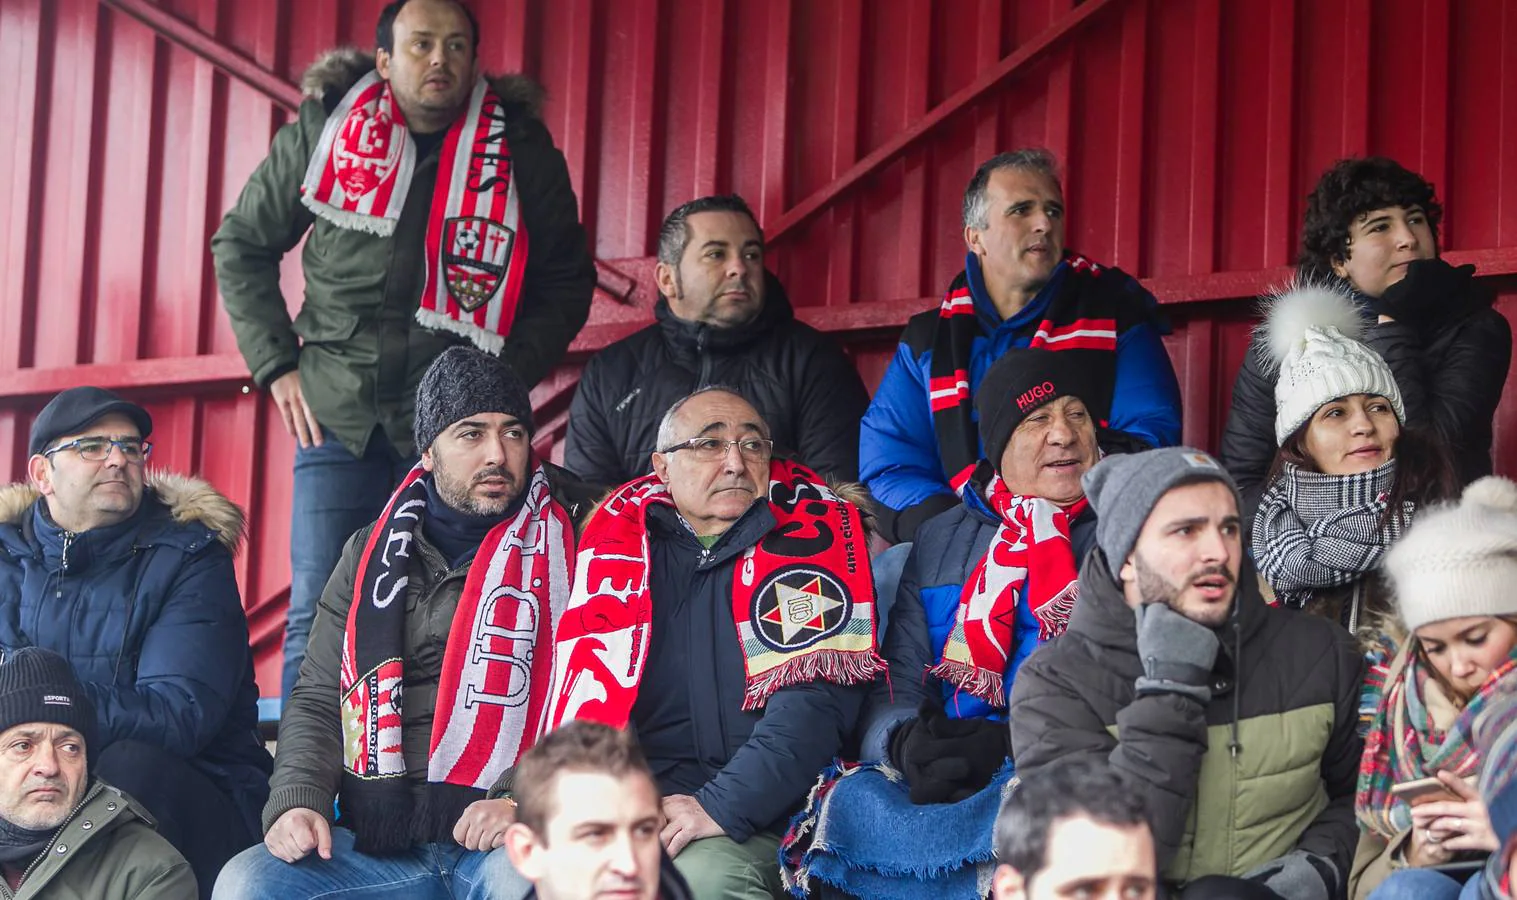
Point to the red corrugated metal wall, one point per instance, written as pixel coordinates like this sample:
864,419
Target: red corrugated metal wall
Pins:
1191,131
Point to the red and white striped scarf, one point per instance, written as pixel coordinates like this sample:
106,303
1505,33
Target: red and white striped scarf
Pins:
495,669
1031,549
802,600
476,244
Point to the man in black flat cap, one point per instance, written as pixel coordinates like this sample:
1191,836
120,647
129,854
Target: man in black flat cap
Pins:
129,577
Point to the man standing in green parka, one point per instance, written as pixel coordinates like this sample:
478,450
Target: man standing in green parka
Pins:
435,210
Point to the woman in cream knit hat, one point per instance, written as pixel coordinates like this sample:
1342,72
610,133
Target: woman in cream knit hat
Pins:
1454,576
1348,476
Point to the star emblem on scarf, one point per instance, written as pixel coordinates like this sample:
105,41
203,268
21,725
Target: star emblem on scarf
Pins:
800,610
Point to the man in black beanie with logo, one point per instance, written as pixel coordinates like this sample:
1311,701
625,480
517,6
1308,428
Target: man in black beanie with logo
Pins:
1236,720
64,832
962,616
429,662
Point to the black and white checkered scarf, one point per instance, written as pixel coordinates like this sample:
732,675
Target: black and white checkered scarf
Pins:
1315,531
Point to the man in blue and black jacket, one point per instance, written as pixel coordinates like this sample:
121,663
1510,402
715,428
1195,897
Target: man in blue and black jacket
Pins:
1021,287
992,578
129,576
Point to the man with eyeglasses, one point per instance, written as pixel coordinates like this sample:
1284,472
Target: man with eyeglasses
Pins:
723,606
128,575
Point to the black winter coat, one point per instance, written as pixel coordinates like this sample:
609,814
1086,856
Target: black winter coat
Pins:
1450,384
800,380
749,770
1285,693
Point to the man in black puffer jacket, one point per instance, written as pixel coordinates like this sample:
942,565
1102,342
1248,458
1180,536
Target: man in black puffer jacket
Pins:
723,319
1373,225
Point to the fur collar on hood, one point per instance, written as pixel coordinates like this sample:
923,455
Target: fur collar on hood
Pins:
335,71
188,499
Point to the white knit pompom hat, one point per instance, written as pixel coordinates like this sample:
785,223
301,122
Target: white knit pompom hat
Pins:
1313,334
1460,559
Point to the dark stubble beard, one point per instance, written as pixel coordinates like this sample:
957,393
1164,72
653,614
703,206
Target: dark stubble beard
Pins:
456,491
1155,588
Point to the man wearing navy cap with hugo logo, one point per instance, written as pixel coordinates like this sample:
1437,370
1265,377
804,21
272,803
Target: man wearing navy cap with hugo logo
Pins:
129,577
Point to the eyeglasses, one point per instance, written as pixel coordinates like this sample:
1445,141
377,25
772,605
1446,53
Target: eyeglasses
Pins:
709,449
98,449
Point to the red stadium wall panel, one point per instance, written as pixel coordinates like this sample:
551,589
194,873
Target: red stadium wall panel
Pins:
1190,130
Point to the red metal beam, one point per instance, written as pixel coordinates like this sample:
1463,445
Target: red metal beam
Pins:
205,46
1022,57
227,372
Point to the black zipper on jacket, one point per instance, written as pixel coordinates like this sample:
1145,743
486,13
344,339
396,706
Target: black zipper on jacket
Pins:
704,378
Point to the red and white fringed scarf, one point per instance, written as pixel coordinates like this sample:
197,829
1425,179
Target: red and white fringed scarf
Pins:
495,669
476,245
1031,548
802,600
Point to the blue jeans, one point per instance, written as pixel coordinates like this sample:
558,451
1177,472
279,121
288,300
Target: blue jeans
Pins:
1427,884
336,493
423,872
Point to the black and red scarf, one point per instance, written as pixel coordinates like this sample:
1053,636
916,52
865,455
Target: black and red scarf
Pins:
1082,316
802,600
495,670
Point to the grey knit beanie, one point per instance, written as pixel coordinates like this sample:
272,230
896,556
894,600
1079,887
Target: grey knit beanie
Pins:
1124,488
464,382
1460,559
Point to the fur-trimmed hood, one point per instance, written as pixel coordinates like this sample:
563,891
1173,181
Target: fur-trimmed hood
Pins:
335,71
189,500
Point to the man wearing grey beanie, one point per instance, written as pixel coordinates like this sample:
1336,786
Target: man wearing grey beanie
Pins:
429,663
1236,719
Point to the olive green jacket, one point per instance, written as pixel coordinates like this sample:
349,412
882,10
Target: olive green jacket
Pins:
355,340
1268,766
107,850
308,765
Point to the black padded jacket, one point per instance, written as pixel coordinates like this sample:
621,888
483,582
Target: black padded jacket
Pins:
804,386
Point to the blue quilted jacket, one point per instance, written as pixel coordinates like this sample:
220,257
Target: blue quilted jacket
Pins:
148,613
947,548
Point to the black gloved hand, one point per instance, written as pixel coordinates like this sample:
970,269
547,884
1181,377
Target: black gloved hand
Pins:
947,760
1432,295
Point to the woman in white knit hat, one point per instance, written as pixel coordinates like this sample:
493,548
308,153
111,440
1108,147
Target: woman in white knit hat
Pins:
1454,576
1348,476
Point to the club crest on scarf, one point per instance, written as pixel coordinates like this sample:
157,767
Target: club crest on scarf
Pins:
798,607
475,258
802,600
367,150
371,721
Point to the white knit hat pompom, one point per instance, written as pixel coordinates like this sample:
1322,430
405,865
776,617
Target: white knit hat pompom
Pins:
1291,309
1459,560
1311,332
1496,493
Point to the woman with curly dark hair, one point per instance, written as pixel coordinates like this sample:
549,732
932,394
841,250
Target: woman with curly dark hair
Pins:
1372,227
